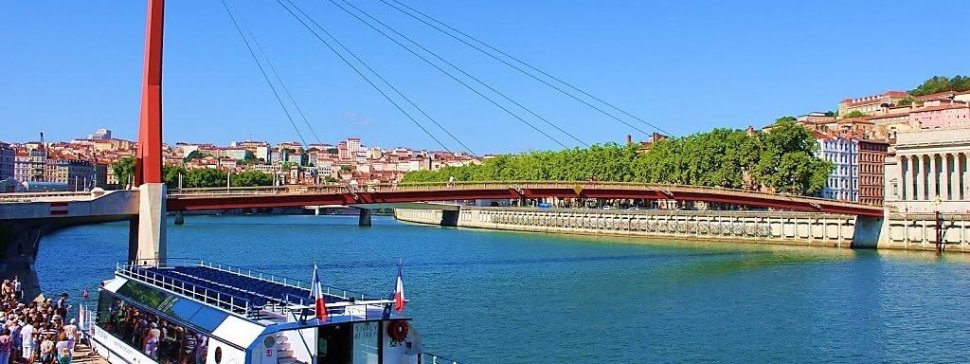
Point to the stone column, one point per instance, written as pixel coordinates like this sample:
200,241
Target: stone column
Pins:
954,178
965,176
932,183
944,180
920,178
914,162
902,193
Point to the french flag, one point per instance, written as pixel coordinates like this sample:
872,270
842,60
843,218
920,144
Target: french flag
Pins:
316,294
399,300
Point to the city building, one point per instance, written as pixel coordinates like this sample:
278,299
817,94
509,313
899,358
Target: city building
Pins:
100,134
353,146
259,149
843,151
7,158
928,171
872,159
77,174
815,117
942,116
870,105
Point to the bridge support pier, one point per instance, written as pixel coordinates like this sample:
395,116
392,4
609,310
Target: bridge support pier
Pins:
179,218
869,231
151,244
19,243
364,217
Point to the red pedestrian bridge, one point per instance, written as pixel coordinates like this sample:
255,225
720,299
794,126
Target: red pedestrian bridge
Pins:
374,194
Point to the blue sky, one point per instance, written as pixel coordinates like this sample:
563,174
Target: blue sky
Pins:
68,67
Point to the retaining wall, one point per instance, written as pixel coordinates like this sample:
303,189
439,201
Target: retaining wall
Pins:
918,232
743,226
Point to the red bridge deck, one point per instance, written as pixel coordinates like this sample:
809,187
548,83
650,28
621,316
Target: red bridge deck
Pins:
298,196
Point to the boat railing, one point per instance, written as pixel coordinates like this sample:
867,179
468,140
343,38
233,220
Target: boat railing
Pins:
429,358
327,290
222,300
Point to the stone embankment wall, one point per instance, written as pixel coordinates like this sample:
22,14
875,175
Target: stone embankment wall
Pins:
742,226
918,232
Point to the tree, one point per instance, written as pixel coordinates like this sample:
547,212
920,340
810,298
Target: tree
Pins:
251,178
788,163
195,154
249,158
783,160
124,169
170,174
205,177
941,84
906,102
854,114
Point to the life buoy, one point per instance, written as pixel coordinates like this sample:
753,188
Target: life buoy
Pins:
397,330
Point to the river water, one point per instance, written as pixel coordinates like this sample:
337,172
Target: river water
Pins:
498,297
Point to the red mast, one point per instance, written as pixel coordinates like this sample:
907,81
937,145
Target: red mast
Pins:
148,164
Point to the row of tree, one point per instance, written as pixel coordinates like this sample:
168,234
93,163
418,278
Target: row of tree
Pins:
942,84
783,160
203,177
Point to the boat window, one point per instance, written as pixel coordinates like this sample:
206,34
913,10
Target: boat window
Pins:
366,343
157,338
198,314
206,318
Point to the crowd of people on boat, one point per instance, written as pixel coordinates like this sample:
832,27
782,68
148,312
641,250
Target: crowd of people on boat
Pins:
35,331
159,339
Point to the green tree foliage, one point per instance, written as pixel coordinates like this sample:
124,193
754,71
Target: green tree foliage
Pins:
251,179
942,84
210,177
195,154
249,158
124,169
906,102
854,114
783,160
788,163
170,174
205,177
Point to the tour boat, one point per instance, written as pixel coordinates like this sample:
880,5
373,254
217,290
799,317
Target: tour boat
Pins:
209,313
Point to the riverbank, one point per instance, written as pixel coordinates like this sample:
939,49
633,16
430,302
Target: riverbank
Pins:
913,232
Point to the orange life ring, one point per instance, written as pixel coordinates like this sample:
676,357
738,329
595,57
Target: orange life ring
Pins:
398,330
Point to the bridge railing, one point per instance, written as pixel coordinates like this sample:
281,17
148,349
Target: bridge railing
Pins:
16,197
489,185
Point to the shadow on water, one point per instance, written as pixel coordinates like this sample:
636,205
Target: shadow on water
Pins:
524,261
753,262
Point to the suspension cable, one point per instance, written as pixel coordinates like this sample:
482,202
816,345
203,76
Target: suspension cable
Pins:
486,45
286,90
382,79
359,73
451,65
453,77
263,72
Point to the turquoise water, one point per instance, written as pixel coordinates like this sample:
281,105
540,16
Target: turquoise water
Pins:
497,297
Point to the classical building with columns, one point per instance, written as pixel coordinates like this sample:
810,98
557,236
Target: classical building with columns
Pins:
929,171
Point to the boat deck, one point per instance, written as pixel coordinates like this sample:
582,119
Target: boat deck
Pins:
239,291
